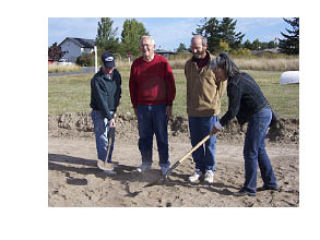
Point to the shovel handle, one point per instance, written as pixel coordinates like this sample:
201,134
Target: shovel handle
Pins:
110,142
188,154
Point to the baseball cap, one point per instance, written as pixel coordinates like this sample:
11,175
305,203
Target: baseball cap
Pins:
108,59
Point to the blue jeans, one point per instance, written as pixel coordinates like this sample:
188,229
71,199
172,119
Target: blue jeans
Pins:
153,120
254,151
200,127
102,132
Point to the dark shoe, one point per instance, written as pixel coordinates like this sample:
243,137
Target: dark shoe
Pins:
244,192
271,188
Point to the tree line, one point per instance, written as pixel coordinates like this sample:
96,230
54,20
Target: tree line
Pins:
221,36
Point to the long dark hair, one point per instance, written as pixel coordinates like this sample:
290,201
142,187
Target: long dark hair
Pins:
224,62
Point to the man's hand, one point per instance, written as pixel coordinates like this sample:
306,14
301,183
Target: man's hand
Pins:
214,131
136,112
112,123
169,111
217,127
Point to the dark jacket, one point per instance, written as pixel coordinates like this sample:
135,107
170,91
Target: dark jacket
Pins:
105,93
245,99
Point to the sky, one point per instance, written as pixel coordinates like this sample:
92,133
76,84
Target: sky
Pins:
168,33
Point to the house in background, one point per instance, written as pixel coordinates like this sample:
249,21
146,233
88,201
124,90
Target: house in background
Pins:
163,52
267,50
75,47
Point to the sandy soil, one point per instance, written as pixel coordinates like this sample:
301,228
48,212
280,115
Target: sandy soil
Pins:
73,179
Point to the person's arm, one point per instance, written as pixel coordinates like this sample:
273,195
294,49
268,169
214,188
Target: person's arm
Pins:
171,87
118,92
133,87
234,97
221,88
188,87
102,104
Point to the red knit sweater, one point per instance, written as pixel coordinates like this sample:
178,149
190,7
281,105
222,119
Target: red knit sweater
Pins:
151,82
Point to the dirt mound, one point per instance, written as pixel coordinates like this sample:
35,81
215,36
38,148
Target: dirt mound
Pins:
81,125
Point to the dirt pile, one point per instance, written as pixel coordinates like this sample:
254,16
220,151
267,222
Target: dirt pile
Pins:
81,125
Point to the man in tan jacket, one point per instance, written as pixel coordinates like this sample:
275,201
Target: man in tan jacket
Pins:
203,106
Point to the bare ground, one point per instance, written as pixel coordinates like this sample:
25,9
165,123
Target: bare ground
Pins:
74,180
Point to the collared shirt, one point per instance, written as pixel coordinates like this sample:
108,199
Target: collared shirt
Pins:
201,62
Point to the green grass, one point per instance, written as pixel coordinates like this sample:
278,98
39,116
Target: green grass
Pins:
72,93
284,99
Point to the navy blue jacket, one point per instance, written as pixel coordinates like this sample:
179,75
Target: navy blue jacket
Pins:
105,93
245,99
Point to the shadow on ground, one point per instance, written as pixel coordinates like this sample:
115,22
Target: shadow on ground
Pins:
126,175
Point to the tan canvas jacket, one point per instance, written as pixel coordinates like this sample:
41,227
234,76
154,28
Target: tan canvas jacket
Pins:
203,92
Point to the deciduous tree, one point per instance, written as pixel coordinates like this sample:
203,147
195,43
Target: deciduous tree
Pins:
106,39
55,53
130,36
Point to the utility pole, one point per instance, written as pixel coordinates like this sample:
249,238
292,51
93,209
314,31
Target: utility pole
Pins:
95,59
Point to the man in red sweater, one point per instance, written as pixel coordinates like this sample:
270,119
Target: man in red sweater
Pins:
152,91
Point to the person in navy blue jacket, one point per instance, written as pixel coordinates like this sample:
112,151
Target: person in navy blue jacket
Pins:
105,98
248,104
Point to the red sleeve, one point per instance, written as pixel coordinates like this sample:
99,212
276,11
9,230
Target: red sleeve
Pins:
170,84
133,86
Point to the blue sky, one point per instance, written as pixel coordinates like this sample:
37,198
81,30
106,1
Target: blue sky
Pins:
167,32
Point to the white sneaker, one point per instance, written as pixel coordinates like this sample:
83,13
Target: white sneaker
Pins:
144,167
208,176
108,168
195,176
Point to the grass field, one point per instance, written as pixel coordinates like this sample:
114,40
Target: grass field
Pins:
72,93
54,68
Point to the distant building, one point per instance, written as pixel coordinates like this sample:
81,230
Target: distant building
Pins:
267,50
164,53
75,47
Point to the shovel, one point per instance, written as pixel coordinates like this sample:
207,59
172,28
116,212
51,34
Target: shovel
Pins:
166,176
187,155
109,166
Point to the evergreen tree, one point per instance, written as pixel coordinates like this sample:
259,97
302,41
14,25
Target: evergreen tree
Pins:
290,43
131,35
210,30
217,31
227,33
106,36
